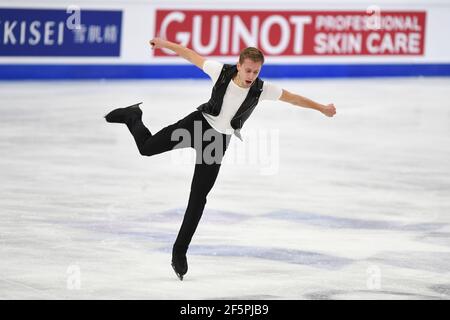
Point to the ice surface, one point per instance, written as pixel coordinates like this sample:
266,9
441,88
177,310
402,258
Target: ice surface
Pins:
355,206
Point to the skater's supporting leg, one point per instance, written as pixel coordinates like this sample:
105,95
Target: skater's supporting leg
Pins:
203,180
205,175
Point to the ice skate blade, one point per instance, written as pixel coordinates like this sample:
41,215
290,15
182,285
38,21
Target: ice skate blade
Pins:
133,105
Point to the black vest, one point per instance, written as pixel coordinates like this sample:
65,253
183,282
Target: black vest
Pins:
214,105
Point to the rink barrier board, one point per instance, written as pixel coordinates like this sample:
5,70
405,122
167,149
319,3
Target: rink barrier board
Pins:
67,72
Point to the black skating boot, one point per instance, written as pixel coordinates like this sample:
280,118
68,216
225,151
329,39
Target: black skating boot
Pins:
121,115
179,262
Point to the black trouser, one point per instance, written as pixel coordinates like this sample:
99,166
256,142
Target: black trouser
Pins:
210,148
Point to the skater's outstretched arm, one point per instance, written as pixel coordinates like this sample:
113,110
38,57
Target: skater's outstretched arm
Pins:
329,110
186,53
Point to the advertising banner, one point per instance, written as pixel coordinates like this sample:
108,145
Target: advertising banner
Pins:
295,33
51,32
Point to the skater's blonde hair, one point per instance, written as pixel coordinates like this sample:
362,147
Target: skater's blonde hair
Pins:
251,53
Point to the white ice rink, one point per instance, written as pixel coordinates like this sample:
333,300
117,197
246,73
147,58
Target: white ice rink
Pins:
351,207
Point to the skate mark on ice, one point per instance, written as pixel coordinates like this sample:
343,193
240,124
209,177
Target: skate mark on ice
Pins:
418,260
322,295
314,259
442,289
365,294
119,230
349,223
439,238
209,216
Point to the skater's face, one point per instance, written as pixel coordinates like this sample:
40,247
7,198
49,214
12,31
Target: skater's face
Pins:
248,71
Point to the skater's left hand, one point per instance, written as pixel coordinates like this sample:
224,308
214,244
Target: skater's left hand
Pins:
329,110
157,43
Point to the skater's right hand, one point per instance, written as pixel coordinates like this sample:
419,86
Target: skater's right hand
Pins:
157,43
329,110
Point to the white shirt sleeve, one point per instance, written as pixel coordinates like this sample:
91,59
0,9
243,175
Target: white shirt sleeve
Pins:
212,68
271,91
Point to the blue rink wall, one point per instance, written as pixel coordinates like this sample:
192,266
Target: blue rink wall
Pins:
89,71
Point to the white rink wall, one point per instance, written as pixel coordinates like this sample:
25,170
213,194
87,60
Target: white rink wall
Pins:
319,38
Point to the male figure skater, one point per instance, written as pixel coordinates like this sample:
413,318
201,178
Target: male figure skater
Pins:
236,92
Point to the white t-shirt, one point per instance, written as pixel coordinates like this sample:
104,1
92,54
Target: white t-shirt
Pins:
234,96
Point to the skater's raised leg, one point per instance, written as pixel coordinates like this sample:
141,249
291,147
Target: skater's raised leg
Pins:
150,144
